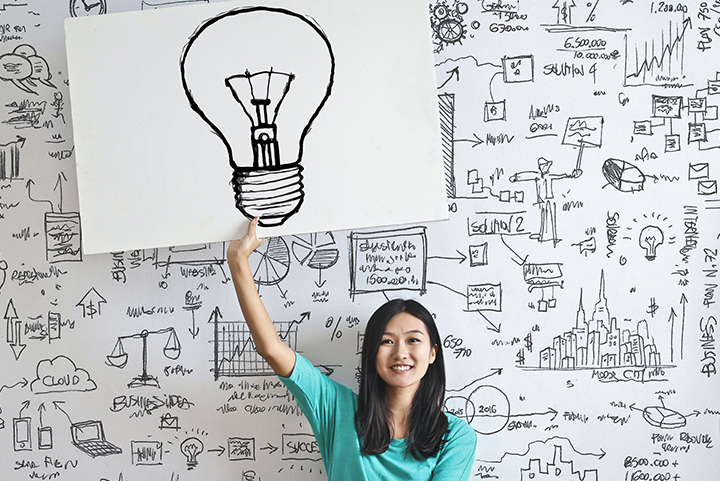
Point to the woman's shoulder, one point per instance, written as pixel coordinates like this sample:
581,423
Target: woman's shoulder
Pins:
306,374
458,428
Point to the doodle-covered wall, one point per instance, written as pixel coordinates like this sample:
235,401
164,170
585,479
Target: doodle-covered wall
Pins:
574,283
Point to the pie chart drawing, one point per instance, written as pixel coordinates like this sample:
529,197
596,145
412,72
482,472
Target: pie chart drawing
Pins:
664,418
316,251
270,263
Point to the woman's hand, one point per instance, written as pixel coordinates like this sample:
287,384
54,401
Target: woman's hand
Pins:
243,247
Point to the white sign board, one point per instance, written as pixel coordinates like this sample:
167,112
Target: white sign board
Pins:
314,116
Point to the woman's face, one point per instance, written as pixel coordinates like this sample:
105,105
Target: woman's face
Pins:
405,352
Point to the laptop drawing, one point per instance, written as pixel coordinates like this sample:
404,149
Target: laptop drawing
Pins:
89,437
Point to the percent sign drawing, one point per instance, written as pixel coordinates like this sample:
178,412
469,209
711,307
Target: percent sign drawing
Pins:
337,333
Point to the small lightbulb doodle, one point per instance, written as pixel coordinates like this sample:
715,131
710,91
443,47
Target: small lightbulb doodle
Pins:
238,69
191,448
650,238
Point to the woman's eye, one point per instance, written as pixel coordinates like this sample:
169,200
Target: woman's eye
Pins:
386,341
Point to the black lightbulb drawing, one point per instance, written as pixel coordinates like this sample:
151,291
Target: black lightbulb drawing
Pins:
259,76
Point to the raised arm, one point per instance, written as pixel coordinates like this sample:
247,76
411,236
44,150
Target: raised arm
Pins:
280,357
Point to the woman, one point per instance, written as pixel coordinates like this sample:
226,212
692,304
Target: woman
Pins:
394,428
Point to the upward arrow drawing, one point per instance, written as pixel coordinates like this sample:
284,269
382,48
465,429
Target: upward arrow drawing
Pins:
13,330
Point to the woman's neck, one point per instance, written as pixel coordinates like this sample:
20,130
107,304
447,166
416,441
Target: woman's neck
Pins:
399,403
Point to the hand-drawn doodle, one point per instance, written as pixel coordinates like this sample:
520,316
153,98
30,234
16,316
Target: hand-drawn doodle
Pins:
240,449
22,435
60,374
587,245
518,69
45,438
447,23
543,276
262,75
557,468
10,159
91,303
446,110
119,358
24,66
598,342
270,263
234,349
196,261
28,114
651,236
485,407
3,273
85,8
300,447
702,113
479,255
662,417
89,437
660,61
564,11
553,458
623,175
14,329
545,198
390,260
317,251
168,421
191,447
192,304
146,453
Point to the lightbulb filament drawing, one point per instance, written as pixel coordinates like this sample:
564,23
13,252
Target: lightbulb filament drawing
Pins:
263,130
191,447
650,238
237,70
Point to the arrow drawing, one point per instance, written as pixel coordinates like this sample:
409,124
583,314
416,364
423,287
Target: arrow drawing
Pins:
13,330
192,305
220,450
58,185
683,301
28,184
270,447
57,404
91,303
22,384
453,73
461,258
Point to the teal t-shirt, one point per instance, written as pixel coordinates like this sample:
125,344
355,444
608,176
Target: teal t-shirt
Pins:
330,408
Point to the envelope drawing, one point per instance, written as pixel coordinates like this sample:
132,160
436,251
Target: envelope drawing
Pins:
707,187
167,421
699,171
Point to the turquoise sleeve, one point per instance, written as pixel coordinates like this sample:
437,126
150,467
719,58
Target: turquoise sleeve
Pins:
315,394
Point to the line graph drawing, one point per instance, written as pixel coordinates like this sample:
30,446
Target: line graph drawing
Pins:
656,61
235,352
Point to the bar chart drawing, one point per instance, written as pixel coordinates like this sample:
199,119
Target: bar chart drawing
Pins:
235,352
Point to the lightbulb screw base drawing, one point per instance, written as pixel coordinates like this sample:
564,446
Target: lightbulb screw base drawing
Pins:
271,194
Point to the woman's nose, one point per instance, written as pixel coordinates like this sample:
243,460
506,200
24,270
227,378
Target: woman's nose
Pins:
401,351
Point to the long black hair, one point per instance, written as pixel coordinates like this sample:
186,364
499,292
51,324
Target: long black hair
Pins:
428,423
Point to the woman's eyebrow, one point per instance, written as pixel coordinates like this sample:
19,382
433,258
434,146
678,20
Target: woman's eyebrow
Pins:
415,331
412,331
